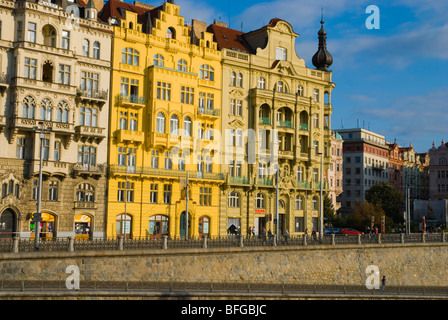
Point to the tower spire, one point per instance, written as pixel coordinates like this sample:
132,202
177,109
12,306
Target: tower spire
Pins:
322,59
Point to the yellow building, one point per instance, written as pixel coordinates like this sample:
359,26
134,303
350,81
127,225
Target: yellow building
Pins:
165,109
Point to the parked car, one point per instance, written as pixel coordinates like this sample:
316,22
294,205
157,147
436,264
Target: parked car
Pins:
350,231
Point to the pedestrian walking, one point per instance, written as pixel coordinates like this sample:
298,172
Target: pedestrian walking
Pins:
249,232
253,232
383,283
314,235
286,235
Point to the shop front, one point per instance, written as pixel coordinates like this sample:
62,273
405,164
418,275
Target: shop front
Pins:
83,228
158,226
47,226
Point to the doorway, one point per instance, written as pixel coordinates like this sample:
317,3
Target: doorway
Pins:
7,224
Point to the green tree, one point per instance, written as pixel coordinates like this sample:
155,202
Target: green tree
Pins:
388,198
361,216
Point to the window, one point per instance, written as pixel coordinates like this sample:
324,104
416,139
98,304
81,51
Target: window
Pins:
299,174
32,32
65,40
205,196
168,160
158,60
89,81
174,125
239,80
299,224
62,112
53,190
88,116
30,68
236,107
160,123
316,95
46,148
299,203
181,65
261,83
28,107
19,35
187,127
163,91
47,72
64,74
316,120
154,159
259,201
204,226
181,162
21,148
85,47
85,193
281,87
315,203
153,193
123,189
130,56
233,79
45,110
57,151
87,156
186,95
280,53
167,193
35,189
234,200
120,193
300,91
96,50
133,117
206,72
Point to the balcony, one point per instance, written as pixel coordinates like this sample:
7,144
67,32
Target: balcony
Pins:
85,205
89,134
285,124
303,126
130,136
88,170
264,182
96,97
50,168
239,180
286,154
213,113
132,101
263,120
3,83
193,175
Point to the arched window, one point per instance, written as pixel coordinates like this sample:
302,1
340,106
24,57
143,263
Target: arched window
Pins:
29,107
160,123
181,65
239,80
281,87
96,50
187,127
45,109
122,122
130,56
206,72
233,79
234,200
171,33
174,125
85,193
62,112
49,34
124,225
85,47
158,225
158,60
133,121
259,201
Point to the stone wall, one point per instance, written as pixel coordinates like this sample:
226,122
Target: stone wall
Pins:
403,264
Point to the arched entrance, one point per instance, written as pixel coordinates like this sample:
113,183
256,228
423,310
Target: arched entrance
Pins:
158,226
204,226
183,225
83,229
7,224
47,226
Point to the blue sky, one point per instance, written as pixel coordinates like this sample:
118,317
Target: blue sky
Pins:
392,79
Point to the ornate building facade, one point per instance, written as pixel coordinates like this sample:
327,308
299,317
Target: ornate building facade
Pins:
164,124
55,77
276,114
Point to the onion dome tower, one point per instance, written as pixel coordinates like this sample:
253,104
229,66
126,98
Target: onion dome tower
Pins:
322,59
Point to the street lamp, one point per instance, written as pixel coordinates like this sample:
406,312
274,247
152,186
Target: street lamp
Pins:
321,202
37,218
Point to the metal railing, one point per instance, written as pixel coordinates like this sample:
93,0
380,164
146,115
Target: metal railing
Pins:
17,244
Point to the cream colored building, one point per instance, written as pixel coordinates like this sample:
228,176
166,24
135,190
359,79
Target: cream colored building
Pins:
55,67
276,111
335,171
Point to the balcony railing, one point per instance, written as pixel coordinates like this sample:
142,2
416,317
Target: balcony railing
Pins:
303,126
239,180
131,99
264,120
166,172
90,94
285,124
210,112
265,181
